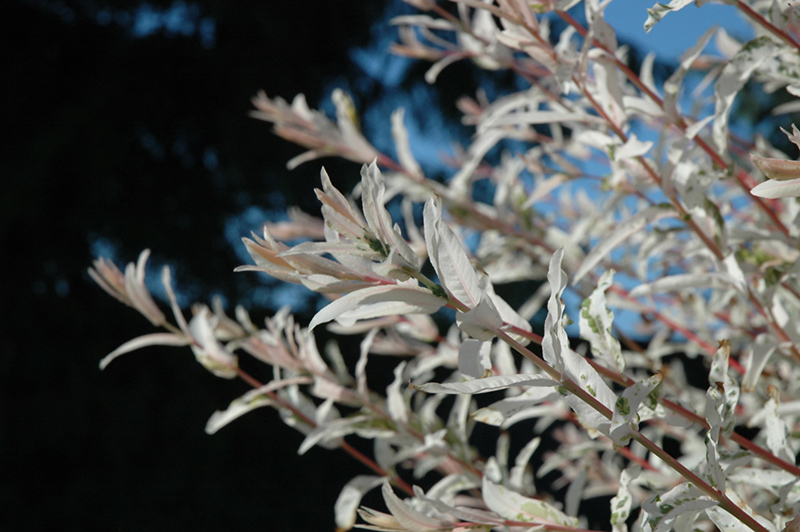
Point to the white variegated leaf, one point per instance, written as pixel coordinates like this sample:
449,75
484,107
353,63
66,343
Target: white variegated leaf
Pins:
626,409
378,301
657,12
515,507
456,273
659,514
623,500
489,384
595,324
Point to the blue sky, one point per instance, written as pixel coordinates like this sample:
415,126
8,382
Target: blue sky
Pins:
677,31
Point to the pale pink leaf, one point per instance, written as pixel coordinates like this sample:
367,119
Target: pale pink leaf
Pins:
147,340
349,499
248,402
774,189
409,518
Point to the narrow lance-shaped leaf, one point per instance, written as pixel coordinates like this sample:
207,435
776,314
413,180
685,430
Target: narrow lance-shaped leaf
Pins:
409,518
249,402
379,301
349,499
657,12
473,358
555,339
659,514
449,259
733,77
489,384
557,353
626,410
596,322
619,234
515,507
623,500
144,341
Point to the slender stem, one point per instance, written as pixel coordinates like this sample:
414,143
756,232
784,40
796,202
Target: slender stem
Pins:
724,502
747,10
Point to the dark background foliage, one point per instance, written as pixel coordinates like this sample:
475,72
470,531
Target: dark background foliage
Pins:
139,137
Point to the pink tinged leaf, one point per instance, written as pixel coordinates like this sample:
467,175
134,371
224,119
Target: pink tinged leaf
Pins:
349,499
449,259
794,136
356,147
409,518
378,301
515,507
166,281
777,189
378,219
147,340
334,199
137,290
378,520
482,322
777,169
210,353
106,274
248,402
